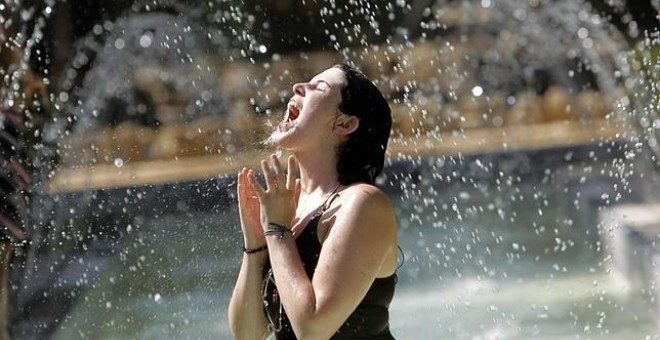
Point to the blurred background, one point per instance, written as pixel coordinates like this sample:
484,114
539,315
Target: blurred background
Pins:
523,161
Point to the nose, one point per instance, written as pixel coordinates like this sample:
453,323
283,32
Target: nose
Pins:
299,89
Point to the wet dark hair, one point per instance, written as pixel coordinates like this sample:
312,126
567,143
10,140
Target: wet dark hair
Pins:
362,157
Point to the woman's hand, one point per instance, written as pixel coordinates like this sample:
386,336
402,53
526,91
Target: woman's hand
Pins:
248,210
279,200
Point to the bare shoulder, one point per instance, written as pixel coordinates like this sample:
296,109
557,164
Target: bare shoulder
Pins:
367,196
367,206
365,228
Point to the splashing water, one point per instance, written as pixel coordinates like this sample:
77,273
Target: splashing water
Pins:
501,158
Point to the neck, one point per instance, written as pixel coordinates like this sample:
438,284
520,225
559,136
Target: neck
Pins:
318,172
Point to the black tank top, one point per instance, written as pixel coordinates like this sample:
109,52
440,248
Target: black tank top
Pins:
370,320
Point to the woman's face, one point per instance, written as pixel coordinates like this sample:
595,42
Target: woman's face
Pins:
312,111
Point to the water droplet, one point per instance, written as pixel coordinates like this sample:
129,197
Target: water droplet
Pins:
119,162
120,44
145,41
582,32
63,97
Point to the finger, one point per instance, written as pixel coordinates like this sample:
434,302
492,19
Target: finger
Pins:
241,179
279,175
256,186
271,181
239,184
291,173
244,189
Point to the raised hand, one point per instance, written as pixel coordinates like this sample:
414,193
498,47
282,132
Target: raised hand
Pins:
249,210
280,198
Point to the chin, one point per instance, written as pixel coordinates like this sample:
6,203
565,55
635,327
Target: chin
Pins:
278,138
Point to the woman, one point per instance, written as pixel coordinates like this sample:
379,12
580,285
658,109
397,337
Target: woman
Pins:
320,251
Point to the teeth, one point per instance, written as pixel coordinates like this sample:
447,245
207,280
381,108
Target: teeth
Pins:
292,107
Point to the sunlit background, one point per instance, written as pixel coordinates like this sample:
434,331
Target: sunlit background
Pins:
523,162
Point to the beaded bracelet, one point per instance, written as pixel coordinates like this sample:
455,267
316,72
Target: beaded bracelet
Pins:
277,229
255,250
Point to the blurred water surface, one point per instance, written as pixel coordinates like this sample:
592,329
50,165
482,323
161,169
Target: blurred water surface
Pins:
481,262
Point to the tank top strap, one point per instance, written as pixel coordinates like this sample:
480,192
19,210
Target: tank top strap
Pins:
328,201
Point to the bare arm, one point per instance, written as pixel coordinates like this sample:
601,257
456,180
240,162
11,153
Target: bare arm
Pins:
361,238
246,316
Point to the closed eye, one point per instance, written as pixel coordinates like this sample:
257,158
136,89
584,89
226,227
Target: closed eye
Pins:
321,85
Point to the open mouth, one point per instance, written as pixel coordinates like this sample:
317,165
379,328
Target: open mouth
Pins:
292,111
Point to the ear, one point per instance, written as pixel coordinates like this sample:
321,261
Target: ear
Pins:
345,124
